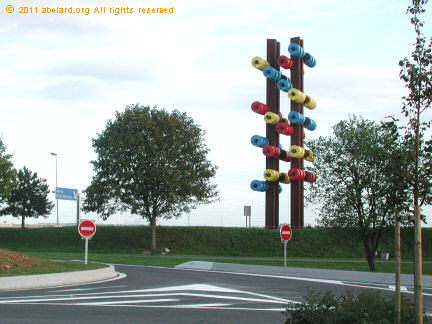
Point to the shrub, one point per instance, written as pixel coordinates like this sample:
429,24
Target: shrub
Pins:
367,308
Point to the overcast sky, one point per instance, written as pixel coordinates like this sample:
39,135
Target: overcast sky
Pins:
62,76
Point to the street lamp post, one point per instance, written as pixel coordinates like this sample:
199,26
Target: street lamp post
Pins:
55,154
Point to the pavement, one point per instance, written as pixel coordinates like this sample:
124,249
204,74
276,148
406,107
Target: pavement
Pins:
57,279
324,274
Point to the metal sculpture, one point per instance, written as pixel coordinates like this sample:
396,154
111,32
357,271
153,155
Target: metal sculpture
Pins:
292,126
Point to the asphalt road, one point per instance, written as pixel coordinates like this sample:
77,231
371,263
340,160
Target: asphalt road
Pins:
166,295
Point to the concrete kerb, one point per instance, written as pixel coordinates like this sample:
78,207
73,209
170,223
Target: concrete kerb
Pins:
57,279
340,275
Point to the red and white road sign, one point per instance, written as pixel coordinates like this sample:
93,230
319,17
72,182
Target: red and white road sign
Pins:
285,232
87,228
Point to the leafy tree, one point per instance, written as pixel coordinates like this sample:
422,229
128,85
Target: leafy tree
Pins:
29,198
151,162
358,186
416,72
417,75
7,172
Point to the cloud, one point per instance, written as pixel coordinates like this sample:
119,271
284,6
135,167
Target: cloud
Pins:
76,89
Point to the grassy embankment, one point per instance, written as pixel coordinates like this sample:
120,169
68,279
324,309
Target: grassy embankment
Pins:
13,264
129,245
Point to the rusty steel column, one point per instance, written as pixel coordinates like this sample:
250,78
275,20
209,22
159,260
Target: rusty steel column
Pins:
272,100
297,206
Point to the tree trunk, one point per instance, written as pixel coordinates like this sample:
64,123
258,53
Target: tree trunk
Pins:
370,255
23,221
153,233
371,261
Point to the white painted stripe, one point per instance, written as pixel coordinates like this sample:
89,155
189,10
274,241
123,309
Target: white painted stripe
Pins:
179,306
202,307
192,287
119,302
235,298
402,288
73,298
86,228
334,282
86,289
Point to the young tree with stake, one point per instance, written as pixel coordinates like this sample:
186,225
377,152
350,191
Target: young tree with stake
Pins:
416,72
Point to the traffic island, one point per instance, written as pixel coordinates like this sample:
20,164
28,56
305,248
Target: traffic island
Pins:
57,279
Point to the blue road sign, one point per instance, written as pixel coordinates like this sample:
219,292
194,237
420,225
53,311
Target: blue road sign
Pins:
66,193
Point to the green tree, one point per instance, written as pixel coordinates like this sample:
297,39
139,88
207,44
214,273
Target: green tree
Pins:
416,72
151,162
357,185
7,172
29,198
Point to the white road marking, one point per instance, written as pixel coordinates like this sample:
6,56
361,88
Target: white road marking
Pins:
204,306
402,288
329,281
84,289
75,297
197,306
155,295
14,301
138,301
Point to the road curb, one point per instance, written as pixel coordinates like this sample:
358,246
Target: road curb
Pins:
371,277
57,279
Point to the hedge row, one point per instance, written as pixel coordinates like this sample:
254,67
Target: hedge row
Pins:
212,241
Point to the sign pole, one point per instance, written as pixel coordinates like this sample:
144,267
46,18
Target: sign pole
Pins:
246,213
78,209
86,229
86,250
285,234
398,270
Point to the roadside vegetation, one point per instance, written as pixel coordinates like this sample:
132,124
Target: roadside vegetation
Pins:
14,264
314,242
367,307
316,247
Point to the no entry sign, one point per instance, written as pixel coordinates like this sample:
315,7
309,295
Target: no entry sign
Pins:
87,228
285,232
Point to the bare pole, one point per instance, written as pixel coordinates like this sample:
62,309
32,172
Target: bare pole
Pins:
398,270
55,154
78,209
418,269
86,250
